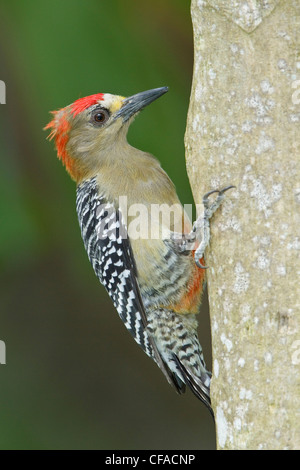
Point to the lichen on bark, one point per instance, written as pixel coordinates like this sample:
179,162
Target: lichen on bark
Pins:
243,129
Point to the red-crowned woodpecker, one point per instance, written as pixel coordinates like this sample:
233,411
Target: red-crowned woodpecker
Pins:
153,275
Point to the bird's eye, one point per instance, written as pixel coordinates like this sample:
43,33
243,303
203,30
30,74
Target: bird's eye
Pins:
99,117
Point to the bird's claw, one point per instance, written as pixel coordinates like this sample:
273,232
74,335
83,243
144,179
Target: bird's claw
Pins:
220,192
209,210
199,264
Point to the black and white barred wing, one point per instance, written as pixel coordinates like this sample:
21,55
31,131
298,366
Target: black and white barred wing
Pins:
105,238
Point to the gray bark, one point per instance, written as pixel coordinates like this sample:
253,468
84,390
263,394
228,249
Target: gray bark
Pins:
243,129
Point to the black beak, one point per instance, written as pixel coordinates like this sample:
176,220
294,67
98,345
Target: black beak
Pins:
137,102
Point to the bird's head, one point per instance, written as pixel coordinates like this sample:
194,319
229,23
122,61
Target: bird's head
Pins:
88,130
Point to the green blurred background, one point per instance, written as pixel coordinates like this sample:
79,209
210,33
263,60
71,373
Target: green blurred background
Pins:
74,378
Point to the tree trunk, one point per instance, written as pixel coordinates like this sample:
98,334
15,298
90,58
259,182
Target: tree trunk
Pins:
243,129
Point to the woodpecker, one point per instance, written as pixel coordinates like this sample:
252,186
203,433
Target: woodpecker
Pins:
156,282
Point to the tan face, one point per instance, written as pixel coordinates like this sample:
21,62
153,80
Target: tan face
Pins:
96,128
84,128
87,131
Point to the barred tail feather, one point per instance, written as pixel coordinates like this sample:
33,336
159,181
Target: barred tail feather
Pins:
197,386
